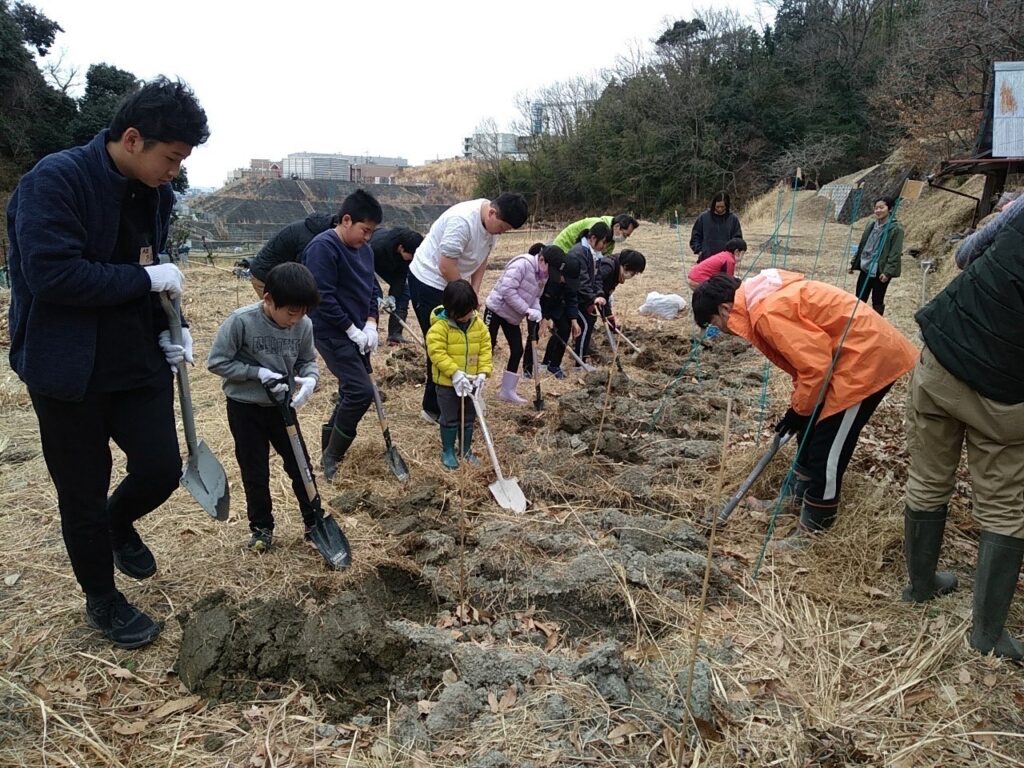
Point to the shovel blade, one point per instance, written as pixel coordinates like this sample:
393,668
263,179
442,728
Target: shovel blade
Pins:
205,480
396,464
332,544
508,494
538,404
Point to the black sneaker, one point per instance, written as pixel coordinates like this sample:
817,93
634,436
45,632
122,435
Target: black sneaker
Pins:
262,540
133,558
120,622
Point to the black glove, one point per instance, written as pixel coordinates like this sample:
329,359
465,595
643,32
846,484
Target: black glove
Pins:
792,423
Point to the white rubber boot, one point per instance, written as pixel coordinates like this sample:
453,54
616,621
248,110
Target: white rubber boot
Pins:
509,382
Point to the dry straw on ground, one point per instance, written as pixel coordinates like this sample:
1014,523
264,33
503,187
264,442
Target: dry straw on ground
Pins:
815,663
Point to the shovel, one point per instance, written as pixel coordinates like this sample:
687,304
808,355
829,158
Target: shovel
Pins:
534,331
328,538
624,336
394,459
736,498
203,476
585,366
388,305
611,342
506,490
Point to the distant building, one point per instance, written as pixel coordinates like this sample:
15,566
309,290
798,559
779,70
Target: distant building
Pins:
487,146
258,168
368,168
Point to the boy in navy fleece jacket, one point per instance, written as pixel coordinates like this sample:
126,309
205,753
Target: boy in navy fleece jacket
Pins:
89,338
345,321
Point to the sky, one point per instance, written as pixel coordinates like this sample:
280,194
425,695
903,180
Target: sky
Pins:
395,78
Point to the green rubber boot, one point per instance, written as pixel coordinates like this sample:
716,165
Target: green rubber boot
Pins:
448,455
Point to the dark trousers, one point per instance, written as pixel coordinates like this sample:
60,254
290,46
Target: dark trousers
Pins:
255,428
355,392
455,410
555,350
76,446
875,287
513,334
587,323
424,299
401,294
825,453
531,331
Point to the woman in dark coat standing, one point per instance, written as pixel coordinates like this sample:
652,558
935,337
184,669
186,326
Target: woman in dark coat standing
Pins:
714,228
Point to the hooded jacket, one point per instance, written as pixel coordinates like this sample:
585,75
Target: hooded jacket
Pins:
571,235
518,289
452,349
288,244
798,323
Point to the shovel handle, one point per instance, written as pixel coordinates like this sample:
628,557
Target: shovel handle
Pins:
173,311
487,437
624,336
736,498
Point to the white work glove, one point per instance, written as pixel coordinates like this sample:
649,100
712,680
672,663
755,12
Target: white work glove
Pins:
176,353
372,339
358,338
306,385
277,380
462,383
478,382
533,315
166,277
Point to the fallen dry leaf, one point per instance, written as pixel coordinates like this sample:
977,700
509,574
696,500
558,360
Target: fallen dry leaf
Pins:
871,591
132,727
11,579
424,706
989,680
620,732
172,707
449,676
964,677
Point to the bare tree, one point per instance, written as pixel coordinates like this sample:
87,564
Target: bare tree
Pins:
59,74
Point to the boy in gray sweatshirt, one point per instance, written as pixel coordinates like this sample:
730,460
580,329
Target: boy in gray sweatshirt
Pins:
268,343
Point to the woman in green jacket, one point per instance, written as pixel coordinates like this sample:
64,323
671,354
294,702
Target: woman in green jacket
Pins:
879,256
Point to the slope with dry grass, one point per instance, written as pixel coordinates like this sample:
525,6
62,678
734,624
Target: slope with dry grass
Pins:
563,637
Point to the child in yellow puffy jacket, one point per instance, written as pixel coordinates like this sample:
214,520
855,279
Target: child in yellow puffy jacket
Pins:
459,348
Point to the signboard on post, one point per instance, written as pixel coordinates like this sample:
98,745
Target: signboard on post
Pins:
1008,110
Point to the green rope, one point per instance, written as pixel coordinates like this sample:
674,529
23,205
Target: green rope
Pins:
841,275
821,237
789,232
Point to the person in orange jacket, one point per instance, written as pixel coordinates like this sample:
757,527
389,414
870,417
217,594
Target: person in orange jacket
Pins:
798,324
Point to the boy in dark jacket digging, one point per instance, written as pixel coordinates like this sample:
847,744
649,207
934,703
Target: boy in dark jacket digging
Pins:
345,321
393,250
587,252
613,271
558,304
88,335
268,344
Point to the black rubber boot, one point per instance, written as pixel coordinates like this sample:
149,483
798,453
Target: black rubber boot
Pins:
335,452
922,540
120,621
995,580
325,435
817,516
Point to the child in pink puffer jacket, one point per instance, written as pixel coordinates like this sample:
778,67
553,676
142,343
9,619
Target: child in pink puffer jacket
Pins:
517,295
